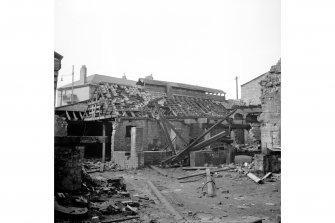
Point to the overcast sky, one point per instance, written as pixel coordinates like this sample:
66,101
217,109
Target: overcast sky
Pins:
205,43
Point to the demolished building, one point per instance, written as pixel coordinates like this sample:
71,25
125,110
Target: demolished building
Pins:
157,119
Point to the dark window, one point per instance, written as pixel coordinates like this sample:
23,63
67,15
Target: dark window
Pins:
128,130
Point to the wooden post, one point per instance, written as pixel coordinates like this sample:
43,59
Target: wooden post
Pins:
133,142
113,138
210,184
103,144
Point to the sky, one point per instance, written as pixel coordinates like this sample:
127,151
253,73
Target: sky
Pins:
205,43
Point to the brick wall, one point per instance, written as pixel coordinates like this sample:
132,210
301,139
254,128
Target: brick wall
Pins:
128,162
68,168
153,136
155,157
200,158
251,91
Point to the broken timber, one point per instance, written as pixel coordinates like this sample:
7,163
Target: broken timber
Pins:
187,150
162,199
163,126
74,140
159,170
204,173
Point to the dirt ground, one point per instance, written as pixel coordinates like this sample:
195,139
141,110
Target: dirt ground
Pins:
236,196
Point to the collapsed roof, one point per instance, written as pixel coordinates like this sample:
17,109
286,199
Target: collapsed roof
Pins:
117,101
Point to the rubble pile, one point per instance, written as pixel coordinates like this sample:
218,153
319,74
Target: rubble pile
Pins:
91,166
100,199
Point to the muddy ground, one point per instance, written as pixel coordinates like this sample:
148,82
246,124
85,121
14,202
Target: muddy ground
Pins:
237,196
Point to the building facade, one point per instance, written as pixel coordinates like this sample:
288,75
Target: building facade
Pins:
251,91
84,88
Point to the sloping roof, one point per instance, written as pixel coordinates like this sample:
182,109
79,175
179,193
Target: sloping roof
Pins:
79,106
254,79
180,85
97,78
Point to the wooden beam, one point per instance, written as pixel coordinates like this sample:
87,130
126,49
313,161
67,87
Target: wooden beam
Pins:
74,140
173,128
200,145
68,115
104,144
186,150
81,115
159,170
74,115
204,173
209,141
167,136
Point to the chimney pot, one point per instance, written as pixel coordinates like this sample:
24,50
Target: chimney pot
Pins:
83,74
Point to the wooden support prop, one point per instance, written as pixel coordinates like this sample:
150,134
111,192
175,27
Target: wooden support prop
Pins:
198,168
173,128
74,140
266,176
162,199
180,155
120,219
210,184
204,173
159,170
254,178
104,144
167,136
209,141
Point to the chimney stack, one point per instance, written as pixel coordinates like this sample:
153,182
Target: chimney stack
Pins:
83,74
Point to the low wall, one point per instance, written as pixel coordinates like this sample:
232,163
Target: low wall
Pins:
200,158
128,162
155,157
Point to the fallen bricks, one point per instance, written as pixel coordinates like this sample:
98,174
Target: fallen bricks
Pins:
100,199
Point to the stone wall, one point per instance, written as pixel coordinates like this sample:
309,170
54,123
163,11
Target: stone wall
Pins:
251,91
271,109
153,135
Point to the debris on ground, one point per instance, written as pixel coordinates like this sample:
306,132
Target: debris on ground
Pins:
100,200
